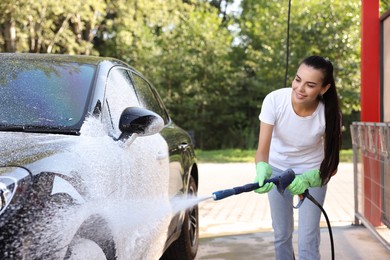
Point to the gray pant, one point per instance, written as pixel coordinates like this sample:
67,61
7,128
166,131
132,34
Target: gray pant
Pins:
283,223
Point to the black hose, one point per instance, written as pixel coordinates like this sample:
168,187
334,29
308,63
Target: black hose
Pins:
327,220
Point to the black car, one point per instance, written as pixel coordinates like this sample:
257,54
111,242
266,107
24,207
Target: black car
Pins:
91,164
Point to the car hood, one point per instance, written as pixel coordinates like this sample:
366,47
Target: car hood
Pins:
24,149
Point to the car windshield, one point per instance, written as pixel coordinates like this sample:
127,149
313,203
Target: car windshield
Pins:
43,94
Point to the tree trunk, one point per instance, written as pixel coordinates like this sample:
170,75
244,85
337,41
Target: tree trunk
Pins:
9,32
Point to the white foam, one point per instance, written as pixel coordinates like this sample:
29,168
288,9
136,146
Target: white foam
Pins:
126,185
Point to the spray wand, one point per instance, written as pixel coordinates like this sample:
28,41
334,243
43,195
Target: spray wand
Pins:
281,182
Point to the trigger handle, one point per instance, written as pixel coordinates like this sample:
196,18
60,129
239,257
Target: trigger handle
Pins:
302,197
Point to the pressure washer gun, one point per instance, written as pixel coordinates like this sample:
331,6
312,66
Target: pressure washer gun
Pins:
281,182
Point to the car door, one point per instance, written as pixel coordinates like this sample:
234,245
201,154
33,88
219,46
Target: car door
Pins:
144,170
138,180
172,134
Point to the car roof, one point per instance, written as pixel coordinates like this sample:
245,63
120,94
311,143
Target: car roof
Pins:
86,59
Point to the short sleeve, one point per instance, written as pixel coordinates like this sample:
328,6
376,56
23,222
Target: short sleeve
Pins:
267,113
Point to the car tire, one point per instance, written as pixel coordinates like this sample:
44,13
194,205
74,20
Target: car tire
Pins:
186,246
93,237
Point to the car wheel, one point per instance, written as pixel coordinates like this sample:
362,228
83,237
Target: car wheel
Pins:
186,246
93,240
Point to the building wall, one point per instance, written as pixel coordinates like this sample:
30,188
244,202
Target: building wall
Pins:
385,55
370,62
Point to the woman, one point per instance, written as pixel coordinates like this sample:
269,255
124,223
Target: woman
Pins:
300,128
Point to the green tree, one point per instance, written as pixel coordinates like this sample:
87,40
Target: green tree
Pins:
50,27
327,28
184,48
212,69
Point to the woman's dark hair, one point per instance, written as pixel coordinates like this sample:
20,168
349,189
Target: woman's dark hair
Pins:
332,142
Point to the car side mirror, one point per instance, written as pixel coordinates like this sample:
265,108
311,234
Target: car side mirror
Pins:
140,121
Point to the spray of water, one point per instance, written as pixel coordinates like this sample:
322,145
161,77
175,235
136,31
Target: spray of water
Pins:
126,186
183,203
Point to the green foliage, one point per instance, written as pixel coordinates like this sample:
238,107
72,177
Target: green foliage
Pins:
50,26
384,6
212,68
327,28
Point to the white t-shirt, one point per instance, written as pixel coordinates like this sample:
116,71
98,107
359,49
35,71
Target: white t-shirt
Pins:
297,142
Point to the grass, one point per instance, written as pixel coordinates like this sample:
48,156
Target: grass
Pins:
238,155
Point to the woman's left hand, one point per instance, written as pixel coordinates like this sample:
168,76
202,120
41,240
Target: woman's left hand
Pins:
303,181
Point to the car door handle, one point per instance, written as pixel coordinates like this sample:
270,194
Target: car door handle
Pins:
183,146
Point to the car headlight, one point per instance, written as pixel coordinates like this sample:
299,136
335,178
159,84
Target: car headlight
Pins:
10,177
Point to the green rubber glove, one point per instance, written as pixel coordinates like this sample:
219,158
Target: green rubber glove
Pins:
263,172
303,181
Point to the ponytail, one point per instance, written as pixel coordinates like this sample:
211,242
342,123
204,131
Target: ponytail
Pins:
332,141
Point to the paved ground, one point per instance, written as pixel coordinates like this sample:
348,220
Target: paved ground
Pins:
239,227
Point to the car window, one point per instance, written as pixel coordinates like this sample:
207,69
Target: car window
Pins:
149,98
44,94
120,94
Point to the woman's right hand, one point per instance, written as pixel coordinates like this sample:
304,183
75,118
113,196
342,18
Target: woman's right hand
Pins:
263,172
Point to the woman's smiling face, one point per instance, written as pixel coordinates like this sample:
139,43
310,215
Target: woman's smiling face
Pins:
307,85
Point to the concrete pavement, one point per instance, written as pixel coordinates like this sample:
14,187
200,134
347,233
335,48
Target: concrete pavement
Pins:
239,227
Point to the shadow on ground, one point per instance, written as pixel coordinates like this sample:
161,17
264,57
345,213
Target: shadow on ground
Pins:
351,242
